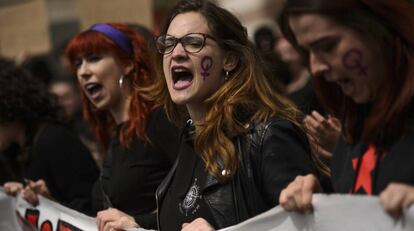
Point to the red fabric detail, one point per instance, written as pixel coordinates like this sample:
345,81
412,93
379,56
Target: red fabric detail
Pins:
364,178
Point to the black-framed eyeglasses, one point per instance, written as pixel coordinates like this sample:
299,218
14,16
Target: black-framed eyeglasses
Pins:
192,42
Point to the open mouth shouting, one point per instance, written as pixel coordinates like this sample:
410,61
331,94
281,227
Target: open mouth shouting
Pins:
182,77
94,90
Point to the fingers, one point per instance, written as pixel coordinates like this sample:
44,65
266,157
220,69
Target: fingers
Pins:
308,188
113,219
324,132
311,124
113,226
396,197
318,117
391,201
102,218
298,195
323,153
108,227
30,196
41,188
319,124
408,199
335,123
12,188
199,224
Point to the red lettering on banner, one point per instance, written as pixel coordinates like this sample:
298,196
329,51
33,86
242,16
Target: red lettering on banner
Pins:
32,215
46,226
64,226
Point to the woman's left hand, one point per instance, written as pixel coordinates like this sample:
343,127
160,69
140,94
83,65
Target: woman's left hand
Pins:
114,219
396,197
199,224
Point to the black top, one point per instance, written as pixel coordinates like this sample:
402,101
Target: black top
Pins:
10,164
306,99
183,206
58,156
375,171
131,175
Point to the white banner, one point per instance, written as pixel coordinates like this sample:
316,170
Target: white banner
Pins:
331,212
47,216
8,219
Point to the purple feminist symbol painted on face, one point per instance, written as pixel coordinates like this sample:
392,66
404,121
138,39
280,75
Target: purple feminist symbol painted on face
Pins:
353,60
206,64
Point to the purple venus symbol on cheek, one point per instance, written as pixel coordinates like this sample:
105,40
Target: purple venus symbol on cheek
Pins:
353,60
206,64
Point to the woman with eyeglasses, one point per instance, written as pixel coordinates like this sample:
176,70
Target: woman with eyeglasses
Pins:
242,142
114,68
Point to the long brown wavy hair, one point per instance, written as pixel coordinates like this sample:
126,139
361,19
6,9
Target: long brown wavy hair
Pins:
246,97
385,24
142,75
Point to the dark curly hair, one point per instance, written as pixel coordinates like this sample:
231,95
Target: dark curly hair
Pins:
23,98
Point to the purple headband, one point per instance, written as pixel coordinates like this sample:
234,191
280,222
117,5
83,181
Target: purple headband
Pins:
115,35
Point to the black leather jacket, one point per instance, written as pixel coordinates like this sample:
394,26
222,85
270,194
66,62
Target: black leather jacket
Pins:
272,154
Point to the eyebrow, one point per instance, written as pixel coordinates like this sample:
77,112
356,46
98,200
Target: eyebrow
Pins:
186,34
320,41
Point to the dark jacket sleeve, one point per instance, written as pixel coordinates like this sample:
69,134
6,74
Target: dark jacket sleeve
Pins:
285,155
66,165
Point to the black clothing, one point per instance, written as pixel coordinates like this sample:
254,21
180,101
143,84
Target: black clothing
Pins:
271,155
59,157
278,69
131,175
375,171
81,127
306,100
10,165
182,203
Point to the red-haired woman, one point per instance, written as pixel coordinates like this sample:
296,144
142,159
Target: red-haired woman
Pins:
361,55
114,66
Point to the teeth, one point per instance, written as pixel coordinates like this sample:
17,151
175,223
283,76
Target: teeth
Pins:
90,86
178,70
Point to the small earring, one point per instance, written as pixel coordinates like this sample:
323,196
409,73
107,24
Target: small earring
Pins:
227,76
121,81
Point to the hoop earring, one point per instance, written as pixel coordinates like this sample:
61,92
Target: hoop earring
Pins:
227,76
121,81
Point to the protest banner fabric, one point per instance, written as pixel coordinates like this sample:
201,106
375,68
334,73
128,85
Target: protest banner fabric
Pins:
331,212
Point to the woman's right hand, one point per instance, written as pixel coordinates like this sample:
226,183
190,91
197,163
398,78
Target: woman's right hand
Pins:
114,219
297,196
